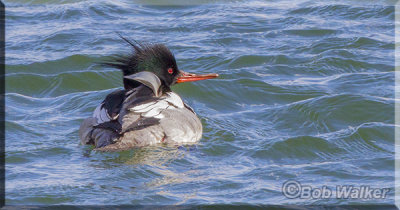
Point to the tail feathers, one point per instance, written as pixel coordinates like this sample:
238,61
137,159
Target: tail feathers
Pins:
99,137
86,129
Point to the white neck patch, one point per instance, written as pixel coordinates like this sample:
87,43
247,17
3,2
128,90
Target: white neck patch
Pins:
149,79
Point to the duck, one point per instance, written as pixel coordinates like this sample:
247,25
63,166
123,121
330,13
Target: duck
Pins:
146,111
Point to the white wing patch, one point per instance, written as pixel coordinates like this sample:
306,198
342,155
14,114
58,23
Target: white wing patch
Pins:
174,99
155,108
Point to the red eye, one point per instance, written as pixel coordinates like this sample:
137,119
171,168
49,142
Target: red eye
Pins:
170,71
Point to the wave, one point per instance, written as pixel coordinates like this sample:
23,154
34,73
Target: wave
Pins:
58,84
369,140
347,11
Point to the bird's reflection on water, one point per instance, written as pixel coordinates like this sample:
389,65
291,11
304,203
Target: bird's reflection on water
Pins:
155,168
158,156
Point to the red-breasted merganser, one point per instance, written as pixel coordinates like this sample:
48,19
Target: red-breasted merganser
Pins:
146,112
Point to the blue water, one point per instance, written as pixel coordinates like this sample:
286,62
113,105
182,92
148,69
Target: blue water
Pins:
306,93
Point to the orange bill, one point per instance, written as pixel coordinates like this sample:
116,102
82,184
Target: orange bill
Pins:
189,77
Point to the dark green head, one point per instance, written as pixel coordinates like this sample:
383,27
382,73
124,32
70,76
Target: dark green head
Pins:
155,58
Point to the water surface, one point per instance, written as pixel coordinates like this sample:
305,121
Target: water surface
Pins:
306,93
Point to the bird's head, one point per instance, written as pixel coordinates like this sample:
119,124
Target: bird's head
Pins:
149,60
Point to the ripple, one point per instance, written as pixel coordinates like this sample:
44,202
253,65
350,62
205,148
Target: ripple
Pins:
63,83
302,147
311,32
254,60
347,11
366,140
